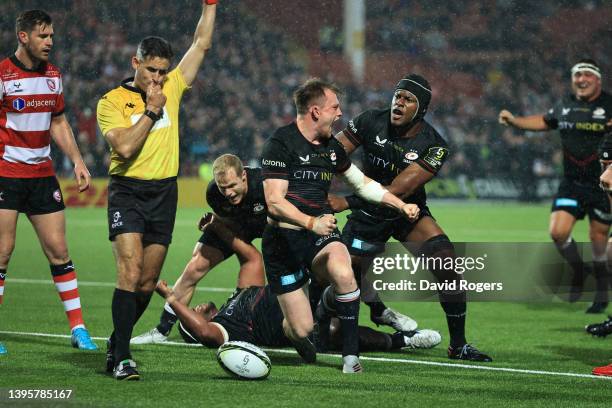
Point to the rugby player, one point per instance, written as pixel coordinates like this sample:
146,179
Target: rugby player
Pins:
252,312
139,120
299,161
31,114
402,151
580,119
237,199
605,157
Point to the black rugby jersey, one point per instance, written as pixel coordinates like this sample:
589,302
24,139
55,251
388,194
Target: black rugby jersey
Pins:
253,315
309,168
582,126
386,154
251,212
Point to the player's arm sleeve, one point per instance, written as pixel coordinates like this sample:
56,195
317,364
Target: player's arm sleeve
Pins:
356,129
275,160
177,85
60,105
109,115
343,162
434,158
551,118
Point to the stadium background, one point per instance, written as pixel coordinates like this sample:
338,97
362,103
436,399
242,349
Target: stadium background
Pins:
479,57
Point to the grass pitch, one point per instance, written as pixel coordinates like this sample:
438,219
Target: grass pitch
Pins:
542,357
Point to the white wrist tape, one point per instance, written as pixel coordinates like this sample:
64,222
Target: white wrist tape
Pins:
371,191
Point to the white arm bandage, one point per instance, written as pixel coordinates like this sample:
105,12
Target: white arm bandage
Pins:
371,191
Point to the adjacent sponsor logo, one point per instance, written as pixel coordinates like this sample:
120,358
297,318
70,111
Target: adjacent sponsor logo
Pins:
332,156
352,126
565,111
305,159
1,198
19,104
57,195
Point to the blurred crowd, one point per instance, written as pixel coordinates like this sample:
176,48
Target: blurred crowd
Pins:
515,54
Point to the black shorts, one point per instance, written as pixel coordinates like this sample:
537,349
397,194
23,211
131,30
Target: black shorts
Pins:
581,199
211,239
32,196
144,206
288,255
365,235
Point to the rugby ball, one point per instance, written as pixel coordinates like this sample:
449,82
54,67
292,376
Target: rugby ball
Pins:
244,360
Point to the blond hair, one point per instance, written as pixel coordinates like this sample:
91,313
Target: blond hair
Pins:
225,162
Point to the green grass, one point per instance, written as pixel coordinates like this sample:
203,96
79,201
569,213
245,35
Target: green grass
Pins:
546,337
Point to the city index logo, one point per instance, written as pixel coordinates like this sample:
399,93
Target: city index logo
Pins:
588,126
313,175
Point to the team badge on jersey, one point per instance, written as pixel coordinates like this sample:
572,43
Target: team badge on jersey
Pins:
258,208
51,85
599,113
411,156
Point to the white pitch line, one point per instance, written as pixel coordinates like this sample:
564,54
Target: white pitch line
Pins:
365,358
10,280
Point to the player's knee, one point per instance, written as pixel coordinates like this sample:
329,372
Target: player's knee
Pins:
598,236
559,235
302,329
440,247
344,281
6,250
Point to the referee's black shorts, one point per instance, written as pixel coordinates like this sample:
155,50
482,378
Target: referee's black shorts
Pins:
144,206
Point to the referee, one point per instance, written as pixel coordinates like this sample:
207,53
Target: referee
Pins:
139,119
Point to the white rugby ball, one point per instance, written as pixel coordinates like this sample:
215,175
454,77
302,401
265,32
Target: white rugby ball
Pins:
244,360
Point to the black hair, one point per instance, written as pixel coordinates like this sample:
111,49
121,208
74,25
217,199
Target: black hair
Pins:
152,47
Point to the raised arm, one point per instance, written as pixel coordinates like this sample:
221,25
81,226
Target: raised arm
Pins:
532,122
62,135
202,41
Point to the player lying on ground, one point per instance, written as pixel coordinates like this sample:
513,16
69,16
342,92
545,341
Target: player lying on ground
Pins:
237,198
253,314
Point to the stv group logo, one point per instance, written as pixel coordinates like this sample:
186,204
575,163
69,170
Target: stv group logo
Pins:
19,104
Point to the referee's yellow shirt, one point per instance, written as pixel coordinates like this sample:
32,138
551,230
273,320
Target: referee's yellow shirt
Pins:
122,107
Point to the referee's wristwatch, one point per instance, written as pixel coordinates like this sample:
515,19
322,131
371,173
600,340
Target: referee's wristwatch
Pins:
154,116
